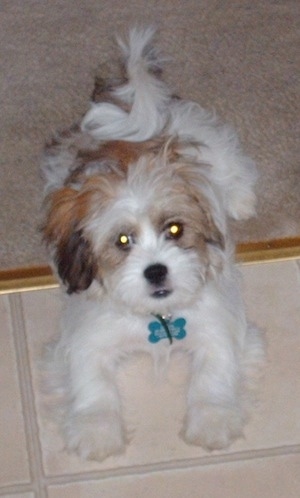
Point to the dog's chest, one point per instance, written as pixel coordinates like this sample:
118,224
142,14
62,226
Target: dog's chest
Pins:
158,335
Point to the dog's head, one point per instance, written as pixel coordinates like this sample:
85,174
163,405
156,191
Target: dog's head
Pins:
141,219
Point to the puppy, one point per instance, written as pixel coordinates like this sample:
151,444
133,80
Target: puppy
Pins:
138,196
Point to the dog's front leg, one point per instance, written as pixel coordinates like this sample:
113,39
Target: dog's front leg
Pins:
94,427
214,414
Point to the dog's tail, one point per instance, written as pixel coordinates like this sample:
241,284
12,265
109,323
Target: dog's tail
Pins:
137,108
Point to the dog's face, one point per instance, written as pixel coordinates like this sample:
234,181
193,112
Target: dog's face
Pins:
139,224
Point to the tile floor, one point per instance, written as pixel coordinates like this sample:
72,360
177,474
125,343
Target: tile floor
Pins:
157,464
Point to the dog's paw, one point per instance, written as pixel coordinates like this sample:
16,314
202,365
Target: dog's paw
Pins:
95,437
213,427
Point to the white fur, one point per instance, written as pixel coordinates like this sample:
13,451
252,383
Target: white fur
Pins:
110,320
148,96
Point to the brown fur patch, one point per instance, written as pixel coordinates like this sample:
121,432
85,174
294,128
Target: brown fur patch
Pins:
204,221
64,230
116,155
122,153
66,209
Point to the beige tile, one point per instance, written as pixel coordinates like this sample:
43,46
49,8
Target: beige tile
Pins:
272,294
13,455
155,408
270,477
41,315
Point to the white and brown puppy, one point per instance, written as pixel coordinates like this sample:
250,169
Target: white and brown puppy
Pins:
137,201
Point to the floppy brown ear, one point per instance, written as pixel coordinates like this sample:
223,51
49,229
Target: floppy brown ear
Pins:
72,250
75,263
211,232
194,181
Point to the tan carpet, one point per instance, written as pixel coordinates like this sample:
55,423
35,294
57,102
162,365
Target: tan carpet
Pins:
240,57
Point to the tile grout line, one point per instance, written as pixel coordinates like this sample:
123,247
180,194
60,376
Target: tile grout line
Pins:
190,463
27,396
16,489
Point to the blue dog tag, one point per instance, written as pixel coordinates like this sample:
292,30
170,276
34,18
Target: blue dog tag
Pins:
159,330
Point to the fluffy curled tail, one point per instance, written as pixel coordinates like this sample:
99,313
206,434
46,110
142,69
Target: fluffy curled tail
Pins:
135,110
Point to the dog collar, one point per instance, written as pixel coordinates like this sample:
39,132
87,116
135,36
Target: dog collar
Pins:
165,328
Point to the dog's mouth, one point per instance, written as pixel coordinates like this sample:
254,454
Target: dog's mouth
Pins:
161,293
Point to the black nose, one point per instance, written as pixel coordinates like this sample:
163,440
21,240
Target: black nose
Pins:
156,274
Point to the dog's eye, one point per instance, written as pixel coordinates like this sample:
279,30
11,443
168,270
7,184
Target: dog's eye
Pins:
124,241
174,230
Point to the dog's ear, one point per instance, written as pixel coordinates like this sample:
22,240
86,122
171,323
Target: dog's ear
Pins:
63,233
75,264
199,191
211,232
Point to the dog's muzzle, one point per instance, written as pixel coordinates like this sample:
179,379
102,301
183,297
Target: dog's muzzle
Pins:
156,275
